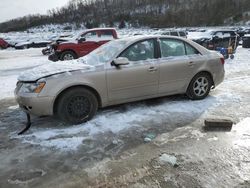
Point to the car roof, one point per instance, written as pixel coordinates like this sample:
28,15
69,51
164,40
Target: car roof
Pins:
142,37
134,39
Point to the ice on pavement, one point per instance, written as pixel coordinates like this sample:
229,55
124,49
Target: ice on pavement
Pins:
115,122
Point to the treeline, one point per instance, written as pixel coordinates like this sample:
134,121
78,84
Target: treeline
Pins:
152,13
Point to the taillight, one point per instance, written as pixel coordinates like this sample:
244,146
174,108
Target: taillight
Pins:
222,60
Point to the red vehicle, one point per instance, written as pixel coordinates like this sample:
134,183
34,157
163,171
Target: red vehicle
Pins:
3,44
83,44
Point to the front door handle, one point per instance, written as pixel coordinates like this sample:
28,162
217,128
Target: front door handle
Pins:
152,69
191,63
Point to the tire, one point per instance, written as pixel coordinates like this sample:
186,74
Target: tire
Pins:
199,86
76,106
68,55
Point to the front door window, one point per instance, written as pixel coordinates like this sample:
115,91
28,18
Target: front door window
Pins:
140,51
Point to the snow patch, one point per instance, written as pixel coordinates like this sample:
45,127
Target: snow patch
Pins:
197,134
13,107
7,83
52,68
168,159
99,168
242,130
212,139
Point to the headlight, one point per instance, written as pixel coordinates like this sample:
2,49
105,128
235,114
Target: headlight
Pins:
32,87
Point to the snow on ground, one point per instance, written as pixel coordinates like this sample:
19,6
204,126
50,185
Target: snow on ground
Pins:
115,122
243,130
13,62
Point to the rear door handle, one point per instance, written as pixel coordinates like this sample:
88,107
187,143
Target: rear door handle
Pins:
152,69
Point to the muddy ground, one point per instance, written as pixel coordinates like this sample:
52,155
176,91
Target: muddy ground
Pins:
116,154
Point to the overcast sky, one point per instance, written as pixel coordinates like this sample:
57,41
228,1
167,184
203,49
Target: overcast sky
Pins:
10,9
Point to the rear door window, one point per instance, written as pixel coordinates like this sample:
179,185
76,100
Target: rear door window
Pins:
172,47
191,50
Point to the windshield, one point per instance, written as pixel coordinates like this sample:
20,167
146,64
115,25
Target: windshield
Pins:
105,53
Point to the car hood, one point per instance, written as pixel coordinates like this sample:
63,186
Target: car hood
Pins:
70,42
52,68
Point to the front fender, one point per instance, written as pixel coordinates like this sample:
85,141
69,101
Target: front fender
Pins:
95,81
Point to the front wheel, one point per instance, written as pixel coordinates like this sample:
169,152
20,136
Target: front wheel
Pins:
68,55
76,106
199,86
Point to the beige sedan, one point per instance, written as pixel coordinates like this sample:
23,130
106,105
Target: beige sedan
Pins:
121,71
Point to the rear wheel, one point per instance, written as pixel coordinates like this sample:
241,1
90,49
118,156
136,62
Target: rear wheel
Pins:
68,55
199,86
76,106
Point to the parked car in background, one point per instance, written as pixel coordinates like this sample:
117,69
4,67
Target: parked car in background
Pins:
211,39
83,44
56,41
246,41
243,31
3,44
32,44
123,70
13,40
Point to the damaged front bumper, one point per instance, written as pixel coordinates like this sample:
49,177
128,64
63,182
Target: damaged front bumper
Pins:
39,106
33,104
54,57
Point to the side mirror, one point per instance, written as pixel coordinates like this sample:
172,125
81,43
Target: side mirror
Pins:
80,40
120,61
